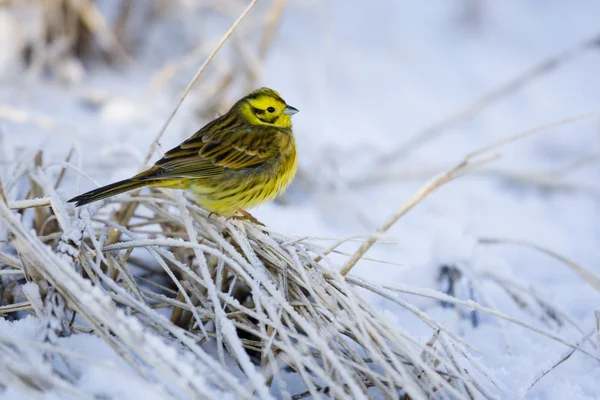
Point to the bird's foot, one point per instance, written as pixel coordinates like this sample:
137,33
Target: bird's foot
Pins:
246,216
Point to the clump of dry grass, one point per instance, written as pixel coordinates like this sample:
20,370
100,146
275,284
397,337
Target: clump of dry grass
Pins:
256,296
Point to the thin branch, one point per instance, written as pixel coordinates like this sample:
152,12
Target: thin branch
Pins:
537,129
561,359
496,94
426,190
29,203
585,273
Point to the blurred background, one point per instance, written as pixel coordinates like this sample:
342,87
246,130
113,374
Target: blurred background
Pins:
390,94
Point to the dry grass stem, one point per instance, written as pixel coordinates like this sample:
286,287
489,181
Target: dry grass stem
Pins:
585,273
538,129
562,358
427,189
490,98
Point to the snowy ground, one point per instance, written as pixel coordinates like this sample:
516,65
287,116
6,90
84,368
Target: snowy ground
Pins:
367,76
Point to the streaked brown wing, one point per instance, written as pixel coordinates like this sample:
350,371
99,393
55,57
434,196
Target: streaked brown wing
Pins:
211,152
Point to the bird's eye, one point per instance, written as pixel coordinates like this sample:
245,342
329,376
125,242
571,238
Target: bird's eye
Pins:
271,109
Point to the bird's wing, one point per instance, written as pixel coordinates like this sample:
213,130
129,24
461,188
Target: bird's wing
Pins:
220,146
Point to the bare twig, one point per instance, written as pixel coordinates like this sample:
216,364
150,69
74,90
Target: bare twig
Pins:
427,189
505,89
585,273
23,204
561,359
537,129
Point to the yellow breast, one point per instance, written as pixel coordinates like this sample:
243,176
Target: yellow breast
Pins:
241,190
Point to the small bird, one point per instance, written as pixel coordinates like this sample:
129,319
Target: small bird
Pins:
237,161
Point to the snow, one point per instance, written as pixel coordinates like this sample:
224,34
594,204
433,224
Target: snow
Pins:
102,368
366,77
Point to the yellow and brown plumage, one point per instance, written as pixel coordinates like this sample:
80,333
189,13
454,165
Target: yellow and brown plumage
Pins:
237,161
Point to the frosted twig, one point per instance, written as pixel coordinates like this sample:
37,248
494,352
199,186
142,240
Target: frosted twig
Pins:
15,307
585,273
561,359
509,286
433,294
29,203
12,272
533,131
490,98
10,260
425,190
340,242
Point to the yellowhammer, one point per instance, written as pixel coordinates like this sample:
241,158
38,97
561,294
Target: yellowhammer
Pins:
237,161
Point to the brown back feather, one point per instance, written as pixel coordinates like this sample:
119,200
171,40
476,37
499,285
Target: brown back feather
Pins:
225,144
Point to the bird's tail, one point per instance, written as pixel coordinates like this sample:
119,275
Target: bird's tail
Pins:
109,190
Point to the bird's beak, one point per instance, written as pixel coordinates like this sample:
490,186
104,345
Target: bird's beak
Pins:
289,110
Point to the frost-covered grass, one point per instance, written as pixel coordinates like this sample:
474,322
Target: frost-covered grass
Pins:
221,305
239,289
458,261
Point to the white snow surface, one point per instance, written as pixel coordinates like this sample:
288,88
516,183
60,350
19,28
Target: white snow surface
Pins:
366,77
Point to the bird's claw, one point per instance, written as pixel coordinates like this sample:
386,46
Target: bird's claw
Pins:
246,216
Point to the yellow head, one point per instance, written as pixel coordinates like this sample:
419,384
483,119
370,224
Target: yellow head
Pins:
265,106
